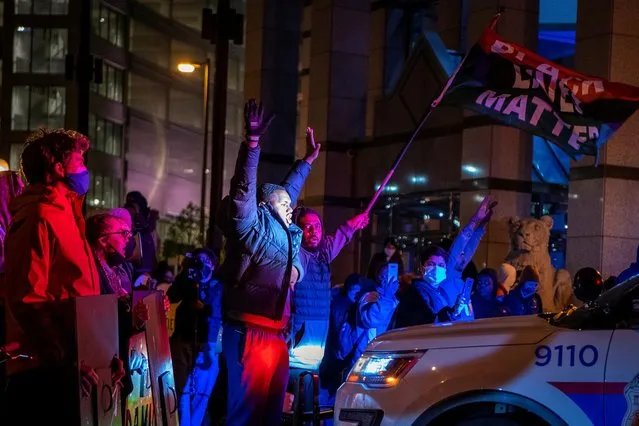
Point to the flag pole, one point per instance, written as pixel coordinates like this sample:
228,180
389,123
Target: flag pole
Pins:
421,124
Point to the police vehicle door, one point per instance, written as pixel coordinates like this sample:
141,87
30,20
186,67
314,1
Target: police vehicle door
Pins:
621,387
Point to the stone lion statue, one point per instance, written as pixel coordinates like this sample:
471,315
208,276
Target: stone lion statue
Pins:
529,240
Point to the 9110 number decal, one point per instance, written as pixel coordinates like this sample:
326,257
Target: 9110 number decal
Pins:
566,356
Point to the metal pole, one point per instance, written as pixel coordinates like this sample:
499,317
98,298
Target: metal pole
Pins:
218,137
205,149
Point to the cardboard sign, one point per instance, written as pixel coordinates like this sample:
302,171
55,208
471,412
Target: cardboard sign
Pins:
96,327
159,358
139,406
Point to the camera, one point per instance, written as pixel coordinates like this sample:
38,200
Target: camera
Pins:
192,266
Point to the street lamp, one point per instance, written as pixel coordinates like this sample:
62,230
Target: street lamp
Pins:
188,68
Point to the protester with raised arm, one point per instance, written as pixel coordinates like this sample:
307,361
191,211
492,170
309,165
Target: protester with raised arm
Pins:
260,267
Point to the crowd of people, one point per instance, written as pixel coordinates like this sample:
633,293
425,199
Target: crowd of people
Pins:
250,318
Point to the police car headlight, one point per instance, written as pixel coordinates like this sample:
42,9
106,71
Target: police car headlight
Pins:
383,369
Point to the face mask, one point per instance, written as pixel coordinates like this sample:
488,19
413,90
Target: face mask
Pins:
435,275
114,258
528,289
78,182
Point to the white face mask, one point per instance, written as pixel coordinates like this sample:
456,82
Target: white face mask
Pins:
435,275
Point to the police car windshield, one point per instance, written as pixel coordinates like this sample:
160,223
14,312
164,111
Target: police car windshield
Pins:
602,312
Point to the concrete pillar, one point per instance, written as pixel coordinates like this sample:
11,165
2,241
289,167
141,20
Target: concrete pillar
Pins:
339,64
603,226
271,75
377,54
496,159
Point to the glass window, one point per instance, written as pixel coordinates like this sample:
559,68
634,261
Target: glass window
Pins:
240,83
149,44
163,7
108,24
41,7
147,96
104,192
106,136
231,122
185,109
189,12
34,107
234,72
111,86
39,50
240,121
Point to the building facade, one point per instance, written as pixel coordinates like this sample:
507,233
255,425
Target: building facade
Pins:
145,119
368,71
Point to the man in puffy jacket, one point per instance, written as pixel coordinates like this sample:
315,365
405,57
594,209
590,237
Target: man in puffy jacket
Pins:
312,298
260,267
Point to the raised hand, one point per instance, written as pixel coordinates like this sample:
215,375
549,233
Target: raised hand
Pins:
312,147
255,125
117,371
389,287
359,222
485,210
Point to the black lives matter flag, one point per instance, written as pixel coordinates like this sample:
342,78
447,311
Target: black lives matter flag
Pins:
577,112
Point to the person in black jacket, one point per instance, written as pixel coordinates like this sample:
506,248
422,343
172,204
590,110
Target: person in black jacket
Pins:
390,254
260,267
193,344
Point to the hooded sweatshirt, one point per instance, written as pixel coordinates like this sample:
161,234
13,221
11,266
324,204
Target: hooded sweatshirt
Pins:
47,259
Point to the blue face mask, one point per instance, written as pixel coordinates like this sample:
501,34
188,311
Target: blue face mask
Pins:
78,182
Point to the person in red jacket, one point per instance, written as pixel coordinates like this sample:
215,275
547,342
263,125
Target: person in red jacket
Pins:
47,260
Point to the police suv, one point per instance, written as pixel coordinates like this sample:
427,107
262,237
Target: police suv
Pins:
580,367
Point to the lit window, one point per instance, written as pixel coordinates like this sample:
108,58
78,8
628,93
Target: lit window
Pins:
234,74
106,136
104,192
39,7
108,24
34,107
39,50
112,83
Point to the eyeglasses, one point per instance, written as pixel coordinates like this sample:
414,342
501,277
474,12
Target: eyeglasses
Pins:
125,233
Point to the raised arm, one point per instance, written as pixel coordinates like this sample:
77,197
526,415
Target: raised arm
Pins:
243,189
377,307
244,182
466,243
333,244
294,180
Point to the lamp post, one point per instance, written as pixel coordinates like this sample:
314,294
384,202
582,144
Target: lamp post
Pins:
219,28
188,68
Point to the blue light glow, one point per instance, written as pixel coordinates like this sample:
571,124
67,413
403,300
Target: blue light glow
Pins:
469,168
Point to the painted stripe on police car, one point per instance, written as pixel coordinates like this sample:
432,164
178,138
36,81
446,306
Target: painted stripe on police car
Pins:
592,397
